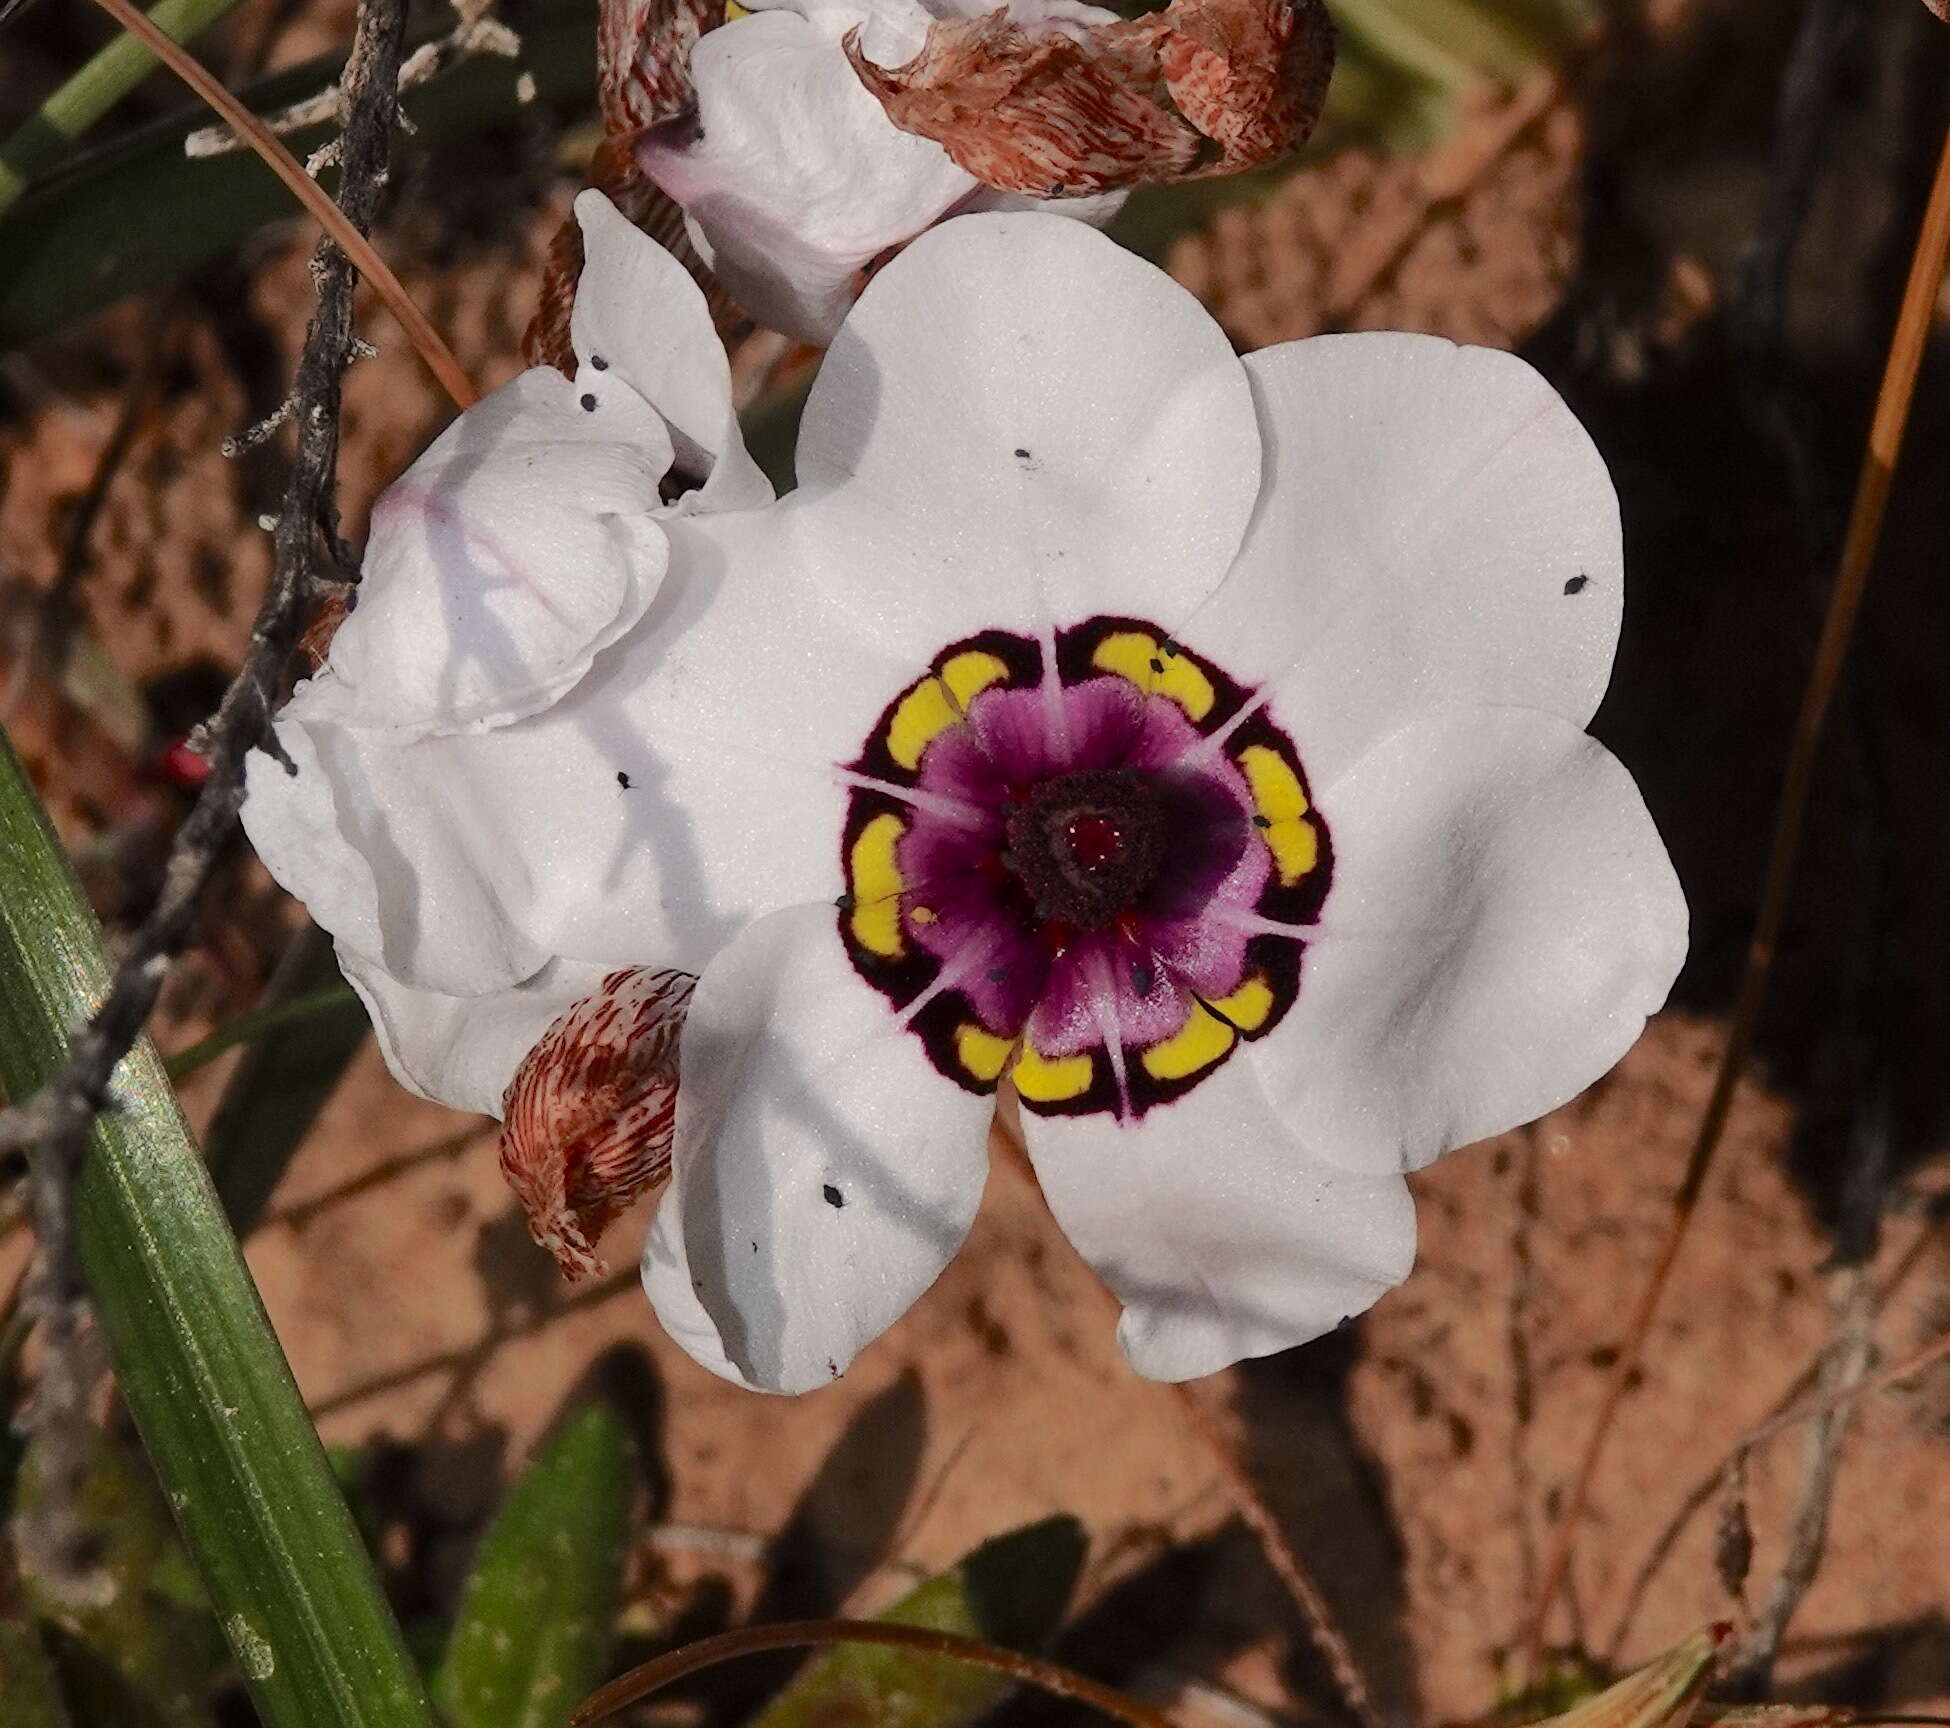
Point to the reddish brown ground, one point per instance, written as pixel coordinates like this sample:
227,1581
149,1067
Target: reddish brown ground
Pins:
1418,1461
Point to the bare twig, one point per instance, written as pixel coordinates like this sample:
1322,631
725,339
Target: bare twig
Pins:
1842,1368
1858,555
60,1116
1782,1412
466,39
335,219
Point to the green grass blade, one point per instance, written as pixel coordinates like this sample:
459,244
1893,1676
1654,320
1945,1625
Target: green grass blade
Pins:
301,1043
1012,1590
200,1367
538,1617
92,91
138,213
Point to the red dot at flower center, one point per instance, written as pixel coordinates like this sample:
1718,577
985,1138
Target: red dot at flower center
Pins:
1096,842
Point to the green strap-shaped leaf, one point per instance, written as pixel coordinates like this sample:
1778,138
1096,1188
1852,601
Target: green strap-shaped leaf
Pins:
538,1616
200,1367
29,1686
93,90
292,1067
1012,1591
138,213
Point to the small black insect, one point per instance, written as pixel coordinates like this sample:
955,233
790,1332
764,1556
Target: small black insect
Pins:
597,361
622,779
834,1198
589,404
1577,584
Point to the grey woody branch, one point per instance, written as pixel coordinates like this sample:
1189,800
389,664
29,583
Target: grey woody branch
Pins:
308,559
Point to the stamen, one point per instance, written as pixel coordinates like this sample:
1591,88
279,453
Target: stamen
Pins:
954,809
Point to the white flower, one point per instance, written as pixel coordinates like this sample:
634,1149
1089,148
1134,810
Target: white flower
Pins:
1198,740
791,177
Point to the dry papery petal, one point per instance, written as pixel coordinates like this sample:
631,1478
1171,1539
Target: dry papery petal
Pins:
1205,87
643,60
587,1119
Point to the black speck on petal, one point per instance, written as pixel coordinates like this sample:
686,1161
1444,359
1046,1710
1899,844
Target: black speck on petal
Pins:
589,404
1577,583
834,1197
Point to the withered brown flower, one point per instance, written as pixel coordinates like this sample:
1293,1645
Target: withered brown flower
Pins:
1051,107
588,1117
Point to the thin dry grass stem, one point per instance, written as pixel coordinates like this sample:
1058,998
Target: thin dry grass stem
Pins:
1858,555
1288,1567
1933,1352
1049,1677
1709,1484
419,330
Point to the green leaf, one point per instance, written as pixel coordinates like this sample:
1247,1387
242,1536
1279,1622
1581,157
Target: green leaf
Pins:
28,1682
1012,1591
144,1651
201,1372
538,1616
91,92
140,212
301,1043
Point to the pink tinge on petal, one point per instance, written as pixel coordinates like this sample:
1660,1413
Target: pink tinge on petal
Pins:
588,1117
1204,87
1106,986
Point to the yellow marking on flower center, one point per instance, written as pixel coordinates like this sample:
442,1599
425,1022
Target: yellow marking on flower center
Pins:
1042,1081
938,702
1200,1042
1134,655
1248,1006
1282,805
876,877
982,1053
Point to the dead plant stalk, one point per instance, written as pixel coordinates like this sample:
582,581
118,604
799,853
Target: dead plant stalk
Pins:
1878,470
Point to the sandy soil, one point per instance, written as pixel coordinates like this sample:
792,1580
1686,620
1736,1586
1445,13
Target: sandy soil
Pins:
1419,1459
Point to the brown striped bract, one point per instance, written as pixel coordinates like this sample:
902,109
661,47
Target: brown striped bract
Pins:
1052,107
587,1119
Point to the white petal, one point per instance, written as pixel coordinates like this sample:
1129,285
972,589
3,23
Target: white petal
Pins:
792,175
504,560
824,1172
462,1051
1223,1235
687,785
1502,920
640,318
1022,424
1436,529
389,851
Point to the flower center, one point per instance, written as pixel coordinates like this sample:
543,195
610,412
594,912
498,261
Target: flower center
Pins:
1084,846
1088,863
